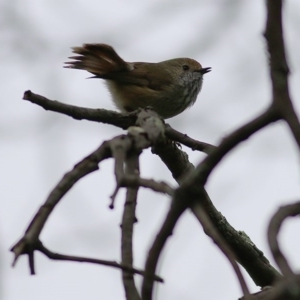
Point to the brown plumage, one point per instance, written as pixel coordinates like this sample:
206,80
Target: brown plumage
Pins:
169,87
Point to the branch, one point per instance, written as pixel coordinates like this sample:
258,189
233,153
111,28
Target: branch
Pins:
121,147
128,220
279,70
213,233
178,206
286,289
56,256
205,168
291,210
248,255
29,241
110,117
187,141
82,113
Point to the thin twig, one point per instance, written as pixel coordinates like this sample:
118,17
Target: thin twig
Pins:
184,139
157,186
58,256
30,240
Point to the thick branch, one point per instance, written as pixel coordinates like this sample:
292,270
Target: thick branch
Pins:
246,252
248,255
286,289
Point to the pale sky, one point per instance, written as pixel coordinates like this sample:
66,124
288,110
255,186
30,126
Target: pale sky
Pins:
38,146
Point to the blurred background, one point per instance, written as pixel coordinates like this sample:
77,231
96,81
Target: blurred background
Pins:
38,146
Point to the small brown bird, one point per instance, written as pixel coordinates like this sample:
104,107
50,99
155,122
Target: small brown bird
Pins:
169,87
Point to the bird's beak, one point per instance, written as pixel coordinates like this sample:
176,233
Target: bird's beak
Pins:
204,70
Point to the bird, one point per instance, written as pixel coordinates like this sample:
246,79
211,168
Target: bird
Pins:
168,87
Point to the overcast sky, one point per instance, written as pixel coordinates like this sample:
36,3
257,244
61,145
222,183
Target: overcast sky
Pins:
38,146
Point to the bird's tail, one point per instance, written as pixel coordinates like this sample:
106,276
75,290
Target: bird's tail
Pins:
98,59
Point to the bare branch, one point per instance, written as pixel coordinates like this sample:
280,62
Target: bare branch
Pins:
178,206
248,255
110,117
286,289
82,113
246,252
128,220
176,160
291,210
211,231
187,141
28,242
205,168
279,69
157,186
56,256
121,148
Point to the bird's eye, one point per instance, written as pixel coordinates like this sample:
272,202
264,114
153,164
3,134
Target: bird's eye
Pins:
185,67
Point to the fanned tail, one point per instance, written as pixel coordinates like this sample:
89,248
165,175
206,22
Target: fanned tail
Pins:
98,59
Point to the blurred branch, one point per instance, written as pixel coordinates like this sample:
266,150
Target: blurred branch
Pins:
286,289
247,254
205,168
178,206
279,69
281,107
291,210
